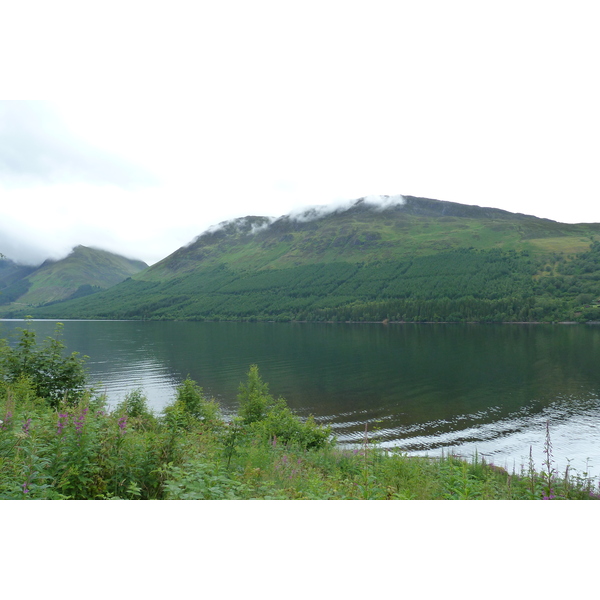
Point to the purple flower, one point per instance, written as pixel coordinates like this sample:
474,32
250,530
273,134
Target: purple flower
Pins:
63,419
7,419
25,488
79,421
123,424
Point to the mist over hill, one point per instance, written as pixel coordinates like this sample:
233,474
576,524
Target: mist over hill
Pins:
82,272
379,258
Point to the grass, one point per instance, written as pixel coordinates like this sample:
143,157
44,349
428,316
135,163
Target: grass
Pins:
566,245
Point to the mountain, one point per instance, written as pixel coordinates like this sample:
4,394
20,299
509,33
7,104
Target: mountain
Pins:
84,271
11,274
399,258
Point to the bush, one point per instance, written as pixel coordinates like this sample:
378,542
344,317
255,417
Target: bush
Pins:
135,407
254,398
273,419
53,376
190,403
281,425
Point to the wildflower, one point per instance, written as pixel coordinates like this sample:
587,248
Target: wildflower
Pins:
123,424
25,488
79,421
26,426
548,463
8,417
63,419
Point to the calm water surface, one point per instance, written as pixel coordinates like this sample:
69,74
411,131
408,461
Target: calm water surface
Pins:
421,388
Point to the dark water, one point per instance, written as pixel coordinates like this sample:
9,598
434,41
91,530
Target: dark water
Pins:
422,388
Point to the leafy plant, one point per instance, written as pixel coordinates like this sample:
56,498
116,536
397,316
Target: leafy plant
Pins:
280,423
54,376
135,407
254,398
192,407
272,419
190,395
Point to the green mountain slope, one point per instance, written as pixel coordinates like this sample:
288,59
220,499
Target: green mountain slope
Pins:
422,260
13,281
84,271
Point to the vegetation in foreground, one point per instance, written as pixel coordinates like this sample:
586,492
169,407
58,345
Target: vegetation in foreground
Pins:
59,440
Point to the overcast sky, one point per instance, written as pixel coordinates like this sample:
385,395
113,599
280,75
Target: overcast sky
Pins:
167,118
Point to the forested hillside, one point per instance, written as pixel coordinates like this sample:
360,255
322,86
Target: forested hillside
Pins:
423,260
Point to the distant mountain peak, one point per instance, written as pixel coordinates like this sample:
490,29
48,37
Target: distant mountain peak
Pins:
409,205
84,268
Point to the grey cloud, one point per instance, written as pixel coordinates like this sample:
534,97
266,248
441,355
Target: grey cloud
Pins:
37,148
27,251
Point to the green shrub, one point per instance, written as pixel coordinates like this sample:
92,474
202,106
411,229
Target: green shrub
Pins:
280,424
135,407
192,406
254,398
272,419
201,480
53,376
135,404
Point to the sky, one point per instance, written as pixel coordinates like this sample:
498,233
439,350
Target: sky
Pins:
134,127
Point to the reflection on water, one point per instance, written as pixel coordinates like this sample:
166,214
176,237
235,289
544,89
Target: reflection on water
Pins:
573,427
120,378
421,388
